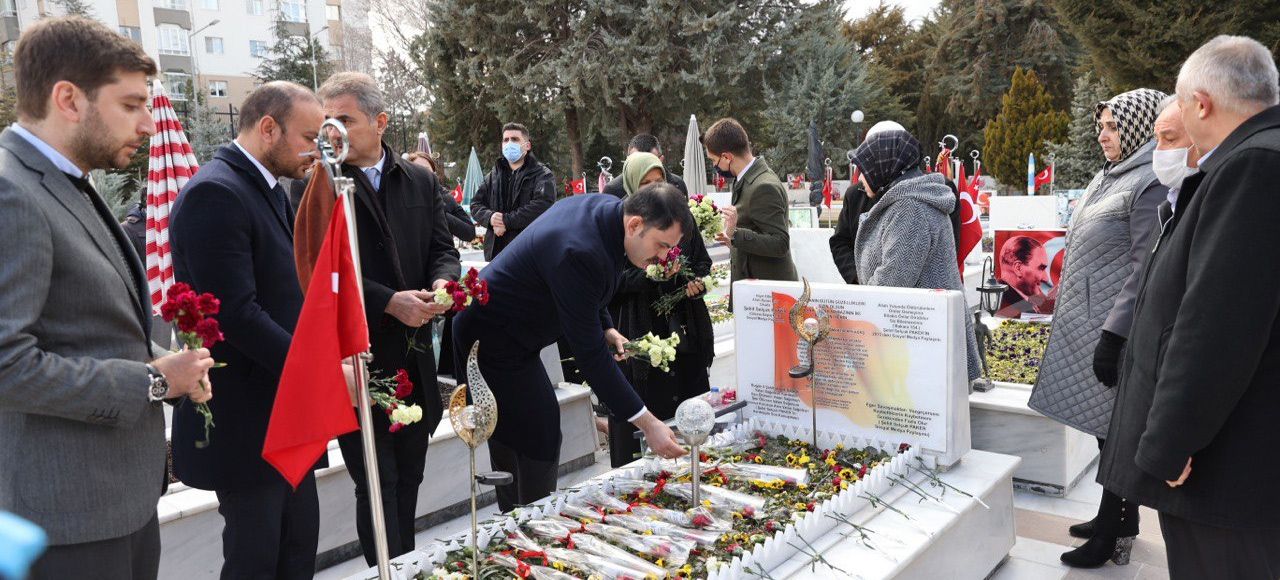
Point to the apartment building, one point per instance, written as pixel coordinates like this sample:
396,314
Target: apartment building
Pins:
216,44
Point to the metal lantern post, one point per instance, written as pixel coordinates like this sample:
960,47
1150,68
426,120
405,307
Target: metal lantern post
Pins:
694,420
990,293
811,332
474,424
345,188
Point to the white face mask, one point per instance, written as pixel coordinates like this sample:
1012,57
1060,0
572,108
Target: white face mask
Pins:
1170,166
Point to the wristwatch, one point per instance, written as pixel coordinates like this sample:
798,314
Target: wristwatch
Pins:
159,385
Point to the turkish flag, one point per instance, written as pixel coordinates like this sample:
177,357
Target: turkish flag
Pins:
457,193
1044,177
826,188
312,405
970,227
579,186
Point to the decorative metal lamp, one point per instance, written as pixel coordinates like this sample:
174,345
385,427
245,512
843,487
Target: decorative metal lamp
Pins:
811,332
694,420
990,293
474,424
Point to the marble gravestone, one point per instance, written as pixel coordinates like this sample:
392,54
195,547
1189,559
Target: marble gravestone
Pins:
893,368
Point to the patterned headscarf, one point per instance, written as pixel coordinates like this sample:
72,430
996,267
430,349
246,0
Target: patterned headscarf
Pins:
883,157
1135,113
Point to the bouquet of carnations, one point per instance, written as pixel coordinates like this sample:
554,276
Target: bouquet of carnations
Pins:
668,266
190,315
458,295
706,215
389,393
666,304
658,352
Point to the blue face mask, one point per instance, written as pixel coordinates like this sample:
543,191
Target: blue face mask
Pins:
512,152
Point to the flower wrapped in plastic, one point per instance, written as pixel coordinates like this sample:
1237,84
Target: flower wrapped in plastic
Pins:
674,552
699,518
545,573
605,551
593,496
717,496
765,474
628,486
602,567
552,529
520,541
640,524
582,513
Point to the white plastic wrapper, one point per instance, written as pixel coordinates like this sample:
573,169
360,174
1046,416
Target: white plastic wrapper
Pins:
579,512
764,473
645,524
545,573
594,497
549,529
674,552
718,496
605,551
520,541
624,486
604,567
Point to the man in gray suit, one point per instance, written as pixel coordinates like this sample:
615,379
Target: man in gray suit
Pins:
81,384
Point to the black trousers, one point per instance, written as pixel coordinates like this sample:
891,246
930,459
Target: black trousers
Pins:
402,459
1199,551
132,557
1117,517
534,479
271,531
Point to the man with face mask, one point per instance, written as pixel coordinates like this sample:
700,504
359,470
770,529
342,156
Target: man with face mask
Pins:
558,279
514,193
1175,156
755,226
232,236
1107,242
405,249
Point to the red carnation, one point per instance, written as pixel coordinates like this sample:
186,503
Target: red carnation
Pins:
169,311
459,298
403,385
188,320
177,289
749,512
395,427
207,331
208,304
862,472
451,287
700,521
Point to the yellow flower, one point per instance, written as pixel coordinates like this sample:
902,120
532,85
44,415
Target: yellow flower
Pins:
791,459
737,458
846,473
757,459
660,563
801,486
844,485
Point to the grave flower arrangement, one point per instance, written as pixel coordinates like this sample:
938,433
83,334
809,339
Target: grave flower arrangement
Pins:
648,529
658,352
459,295
1016,350
195,327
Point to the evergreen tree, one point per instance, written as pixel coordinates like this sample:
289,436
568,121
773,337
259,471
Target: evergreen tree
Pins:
8,92
205,131
979,44
290,57
896,53
1080,157
1142,43
827,81
1026,124
77,7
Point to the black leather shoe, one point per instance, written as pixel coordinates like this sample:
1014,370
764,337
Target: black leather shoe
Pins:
1097,551
1084,529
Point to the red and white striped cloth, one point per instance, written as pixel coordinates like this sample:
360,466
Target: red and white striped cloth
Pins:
171,165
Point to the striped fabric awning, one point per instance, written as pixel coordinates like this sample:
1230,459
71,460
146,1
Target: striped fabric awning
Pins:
171,165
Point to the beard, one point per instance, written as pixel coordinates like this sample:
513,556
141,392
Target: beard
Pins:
282,162
95,146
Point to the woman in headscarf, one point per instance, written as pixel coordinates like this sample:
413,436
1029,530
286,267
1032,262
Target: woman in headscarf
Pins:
634,316
906,238
1107,243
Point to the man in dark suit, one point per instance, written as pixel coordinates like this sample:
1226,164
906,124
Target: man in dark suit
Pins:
557,279
81,425
1193,430
514,193
644,143
232,234
405,247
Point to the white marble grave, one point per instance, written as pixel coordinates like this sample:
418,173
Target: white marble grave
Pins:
1054,456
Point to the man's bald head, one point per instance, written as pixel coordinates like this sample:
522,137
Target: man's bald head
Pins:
1169,130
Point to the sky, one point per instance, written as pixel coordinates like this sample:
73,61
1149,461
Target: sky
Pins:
915,9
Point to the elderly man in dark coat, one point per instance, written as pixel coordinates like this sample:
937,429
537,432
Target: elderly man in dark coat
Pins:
1193,432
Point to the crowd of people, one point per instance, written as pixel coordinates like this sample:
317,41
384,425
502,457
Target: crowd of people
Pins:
1155,348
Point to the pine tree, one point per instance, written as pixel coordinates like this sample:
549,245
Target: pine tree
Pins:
1142,43
896,53
1080,157
1026,124
979,44
77,7
290,57
827,81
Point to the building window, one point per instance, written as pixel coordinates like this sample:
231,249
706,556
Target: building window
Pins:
133,32
172,40
294,11
209,4
172,4
217,88
254,7
176,83
213,44
257,48
332,12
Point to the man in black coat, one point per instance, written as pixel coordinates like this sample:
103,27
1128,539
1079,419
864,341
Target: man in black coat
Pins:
231,232
1194,431
644,143
405,247
557,279
514,194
